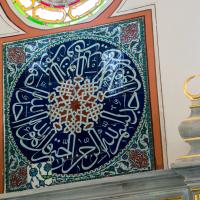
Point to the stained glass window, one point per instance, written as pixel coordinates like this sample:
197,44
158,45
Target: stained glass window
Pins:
56,13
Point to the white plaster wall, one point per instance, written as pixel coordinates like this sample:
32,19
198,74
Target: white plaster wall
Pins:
178,45
7,28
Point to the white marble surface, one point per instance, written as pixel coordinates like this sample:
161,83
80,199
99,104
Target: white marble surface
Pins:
154,185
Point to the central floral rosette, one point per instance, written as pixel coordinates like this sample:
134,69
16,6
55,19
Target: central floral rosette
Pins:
75,105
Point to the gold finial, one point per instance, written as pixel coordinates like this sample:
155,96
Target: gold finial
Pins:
187,93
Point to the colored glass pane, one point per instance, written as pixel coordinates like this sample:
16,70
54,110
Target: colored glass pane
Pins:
59,12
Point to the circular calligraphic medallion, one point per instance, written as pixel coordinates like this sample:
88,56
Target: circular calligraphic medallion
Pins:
76,104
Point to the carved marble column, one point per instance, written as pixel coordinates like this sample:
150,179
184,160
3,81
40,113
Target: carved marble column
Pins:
190,128
189,165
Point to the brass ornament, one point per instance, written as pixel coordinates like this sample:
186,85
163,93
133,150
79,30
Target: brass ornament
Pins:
189,94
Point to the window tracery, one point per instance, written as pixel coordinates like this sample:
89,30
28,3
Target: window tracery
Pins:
57,13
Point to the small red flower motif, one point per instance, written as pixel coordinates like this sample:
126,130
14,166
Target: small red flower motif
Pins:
138,158
129,33
16,55
18,177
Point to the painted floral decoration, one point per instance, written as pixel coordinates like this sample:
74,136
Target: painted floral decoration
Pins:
16,55
19,177
138,158
129,33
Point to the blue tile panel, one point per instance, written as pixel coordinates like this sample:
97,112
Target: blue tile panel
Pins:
77,102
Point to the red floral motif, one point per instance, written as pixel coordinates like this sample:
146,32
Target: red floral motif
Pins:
75,105
138,158
16,55
129,33
18,177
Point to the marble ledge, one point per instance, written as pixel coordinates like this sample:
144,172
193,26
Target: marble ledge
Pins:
144,186
190,170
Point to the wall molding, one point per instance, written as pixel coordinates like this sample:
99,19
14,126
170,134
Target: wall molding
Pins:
148,185
182,182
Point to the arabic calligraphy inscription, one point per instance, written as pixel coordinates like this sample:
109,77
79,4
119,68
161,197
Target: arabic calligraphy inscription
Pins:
79,103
